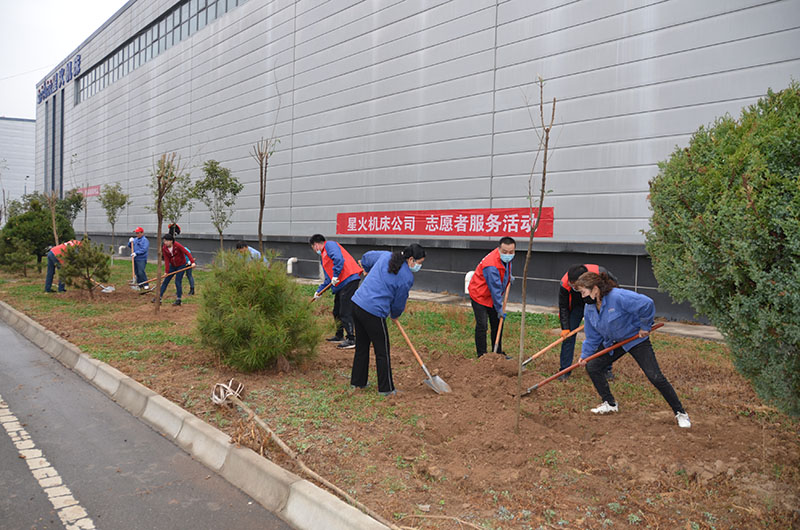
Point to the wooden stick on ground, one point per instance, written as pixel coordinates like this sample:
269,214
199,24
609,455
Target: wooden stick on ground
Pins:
294,456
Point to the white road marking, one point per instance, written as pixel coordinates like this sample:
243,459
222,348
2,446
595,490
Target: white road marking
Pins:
72,515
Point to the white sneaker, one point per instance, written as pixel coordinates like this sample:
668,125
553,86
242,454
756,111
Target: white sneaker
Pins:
605,408
683,420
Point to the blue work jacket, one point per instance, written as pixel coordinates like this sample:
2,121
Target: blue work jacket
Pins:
622,314
382,293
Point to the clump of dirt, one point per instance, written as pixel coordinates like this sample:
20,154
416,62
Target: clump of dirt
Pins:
465,455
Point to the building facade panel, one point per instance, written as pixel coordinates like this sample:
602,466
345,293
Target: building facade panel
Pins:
389,105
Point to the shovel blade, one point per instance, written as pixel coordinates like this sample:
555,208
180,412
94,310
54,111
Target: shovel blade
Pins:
438,385
109,289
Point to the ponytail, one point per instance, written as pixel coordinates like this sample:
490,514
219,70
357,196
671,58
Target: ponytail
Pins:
398,258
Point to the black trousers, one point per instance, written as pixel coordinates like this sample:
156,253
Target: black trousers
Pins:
371,330
482,315
646,359
343,309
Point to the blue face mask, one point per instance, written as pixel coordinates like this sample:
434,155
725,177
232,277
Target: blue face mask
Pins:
416,267
319,252
505,258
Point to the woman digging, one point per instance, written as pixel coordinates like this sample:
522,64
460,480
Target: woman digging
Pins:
612,315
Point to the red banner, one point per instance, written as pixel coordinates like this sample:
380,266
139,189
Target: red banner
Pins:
488,222
91,191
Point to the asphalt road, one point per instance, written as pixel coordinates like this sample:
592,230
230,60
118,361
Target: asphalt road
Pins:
90,463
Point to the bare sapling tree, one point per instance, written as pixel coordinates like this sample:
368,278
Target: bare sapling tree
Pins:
542,149
165,173
52,204
262,151
113,202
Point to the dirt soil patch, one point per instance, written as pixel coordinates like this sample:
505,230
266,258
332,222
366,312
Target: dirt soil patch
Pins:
418,456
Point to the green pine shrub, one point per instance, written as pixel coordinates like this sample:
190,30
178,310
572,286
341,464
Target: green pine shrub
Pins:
725,236
84,265
17,255
253,313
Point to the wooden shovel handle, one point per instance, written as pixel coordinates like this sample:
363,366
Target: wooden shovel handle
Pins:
500,325
555,343
170,274
598,354
408,341
322,291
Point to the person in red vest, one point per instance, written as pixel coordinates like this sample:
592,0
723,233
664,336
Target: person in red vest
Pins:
175,258
343,273
570,312
53,263
486,290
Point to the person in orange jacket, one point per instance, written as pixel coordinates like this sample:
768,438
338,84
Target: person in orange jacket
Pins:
54,262
486,290
175,258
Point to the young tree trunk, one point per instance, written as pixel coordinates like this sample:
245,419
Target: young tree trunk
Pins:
221,246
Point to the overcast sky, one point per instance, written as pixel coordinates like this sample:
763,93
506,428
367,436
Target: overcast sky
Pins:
35,37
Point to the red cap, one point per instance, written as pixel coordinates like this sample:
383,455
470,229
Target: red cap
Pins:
139,229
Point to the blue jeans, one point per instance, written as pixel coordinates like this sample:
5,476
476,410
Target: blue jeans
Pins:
178,281
189,276
52,265
568,346
139,268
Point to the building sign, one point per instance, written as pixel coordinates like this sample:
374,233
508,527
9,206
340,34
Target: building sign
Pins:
91,191
56,82
489,222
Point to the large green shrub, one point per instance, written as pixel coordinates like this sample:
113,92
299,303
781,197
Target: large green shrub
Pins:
725,236
35,227
252,313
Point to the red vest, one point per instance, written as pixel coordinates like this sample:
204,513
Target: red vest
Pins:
478,290
350,265
565,279
58,249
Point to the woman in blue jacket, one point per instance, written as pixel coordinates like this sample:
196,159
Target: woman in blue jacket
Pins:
382,293
612,315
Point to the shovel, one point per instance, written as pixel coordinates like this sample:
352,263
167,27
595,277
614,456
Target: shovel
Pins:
105,288
500,325
170,274
598,354
134,284
322,291
556,343
436,383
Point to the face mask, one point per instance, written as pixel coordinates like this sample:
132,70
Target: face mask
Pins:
416,267
505,258
588,300
319,252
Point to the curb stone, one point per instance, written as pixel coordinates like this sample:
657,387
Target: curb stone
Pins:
298,502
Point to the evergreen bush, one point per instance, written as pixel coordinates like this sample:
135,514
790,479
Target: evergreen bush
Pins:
252,314
35,228
725,236
84,265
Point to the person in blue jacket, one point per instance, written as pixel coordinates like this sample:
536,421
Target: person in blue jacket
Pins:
382,293
251,253
612,315
140,246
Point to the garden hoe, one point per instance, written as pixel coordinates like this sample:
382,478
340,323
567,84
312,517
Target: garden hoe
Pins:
556,343
598,354
434,381
166,275
500,325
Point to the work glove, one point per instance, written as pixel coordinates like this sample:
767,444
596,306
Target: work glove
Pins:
133,254
564,333
130,240
317,296
335,280
504,316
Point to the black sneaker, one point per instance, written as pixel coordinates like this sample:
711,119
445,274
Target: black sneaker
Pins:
347,344
191,291
177,302
563,377
335,338
506,357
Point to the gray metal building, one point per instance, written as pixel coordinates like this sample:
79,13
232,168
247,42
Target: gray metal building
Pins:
17,148
387,105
